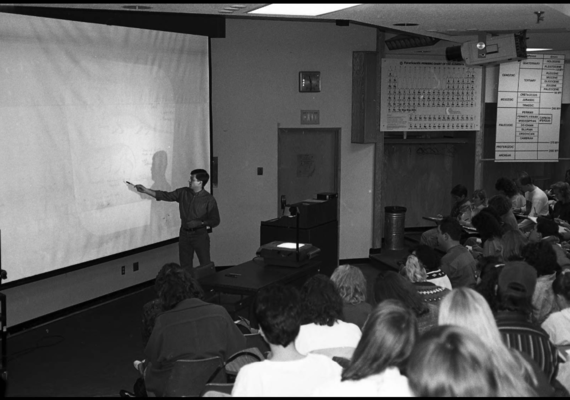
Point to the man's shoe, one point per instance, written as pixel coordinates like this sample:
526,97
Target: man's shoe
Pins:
125,393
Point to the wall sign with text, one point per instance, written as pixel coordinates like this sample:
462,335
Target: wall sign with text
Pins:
528,109
420,95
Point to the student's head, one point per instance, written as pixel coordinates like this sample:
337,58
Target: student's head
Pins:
413,269
479,197
487,225
277,310
428,257
501,204
351,283
387,340
389,285
513,243
517,282
200,177
525,182
321,301
459,193
561,190
542,257
543,228
506,186
449,231
176,283
469,309
561,288
451,361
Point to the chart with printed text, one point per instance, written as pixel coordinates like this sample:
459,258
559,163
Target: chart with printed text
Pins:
420,95
528,109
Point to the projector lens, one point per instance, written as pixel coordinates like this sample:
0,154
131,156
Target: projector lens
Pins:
453,53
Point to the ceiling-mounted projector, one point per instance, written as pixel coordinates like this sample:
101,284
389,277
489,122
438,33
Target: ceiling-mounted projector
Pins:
498,49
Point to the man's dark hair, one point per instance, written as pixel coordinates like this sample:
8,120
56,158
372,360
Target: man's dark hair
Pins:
452,227
542,257
201,175
487,225
277,310
501,204
525,180
506,185
177,284
321,302
459,190
547,227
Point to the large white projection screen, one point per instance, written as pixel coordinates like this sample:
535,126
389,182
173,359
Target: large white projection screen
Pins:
83,108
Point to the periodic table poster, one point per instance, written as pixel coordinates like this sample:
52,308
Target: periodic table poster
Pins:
420,95
528,109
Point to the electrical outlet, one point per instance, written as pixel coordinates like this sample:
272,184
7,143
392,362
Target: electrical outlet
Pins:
135,267
123,270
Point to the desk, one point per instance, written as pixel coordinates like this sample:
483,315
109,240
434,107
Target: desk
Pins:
437,220
248,278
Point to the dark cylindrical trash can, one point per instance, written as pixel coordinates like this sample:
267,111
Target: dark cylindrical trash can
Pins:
394,223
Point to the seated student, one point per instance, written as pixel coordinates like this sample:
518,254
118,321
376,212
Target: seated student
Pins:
503,206
518,374
536,201
478,202
458,263
451,361
491,267
351,285
461,211
513,242
389,285
431,261
154,307
490,231
561,209
417,275
188,328
557,325
542,258
509,188
546,230
375,369
321,323
287,373
517,282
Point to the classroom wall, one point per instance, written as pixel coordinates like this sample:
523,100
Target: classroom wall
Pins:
255,80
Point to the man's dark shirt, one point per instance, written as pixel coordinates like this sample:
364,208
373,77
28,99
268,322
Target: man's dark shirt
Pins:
200,206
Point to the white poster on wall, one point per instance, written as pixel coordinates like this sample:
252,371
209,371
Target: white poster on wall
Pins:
420,95
528,109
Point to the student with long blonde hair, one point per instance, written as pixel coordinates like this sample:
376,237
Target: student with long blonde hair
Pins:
517,374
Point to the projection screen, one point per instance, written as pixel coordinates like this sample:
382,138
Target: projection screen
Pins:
84,108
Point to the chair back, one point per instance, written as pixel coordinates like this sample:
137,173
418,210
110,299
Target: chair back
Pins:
255,340
217,390
189,377
237,360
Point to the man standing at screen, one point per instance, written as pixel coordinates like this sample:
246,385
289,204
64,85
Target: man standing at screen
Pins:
198,211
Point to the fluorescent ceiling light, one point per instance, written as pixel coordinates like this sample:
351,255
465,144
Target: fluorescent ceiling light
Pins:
311,10
537,49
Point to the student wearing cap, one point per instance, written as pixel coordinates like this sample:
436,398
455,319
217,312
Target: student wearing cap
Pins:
516,285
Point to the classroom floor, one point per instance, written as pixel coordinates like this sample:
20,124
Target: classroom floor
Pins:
91,353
